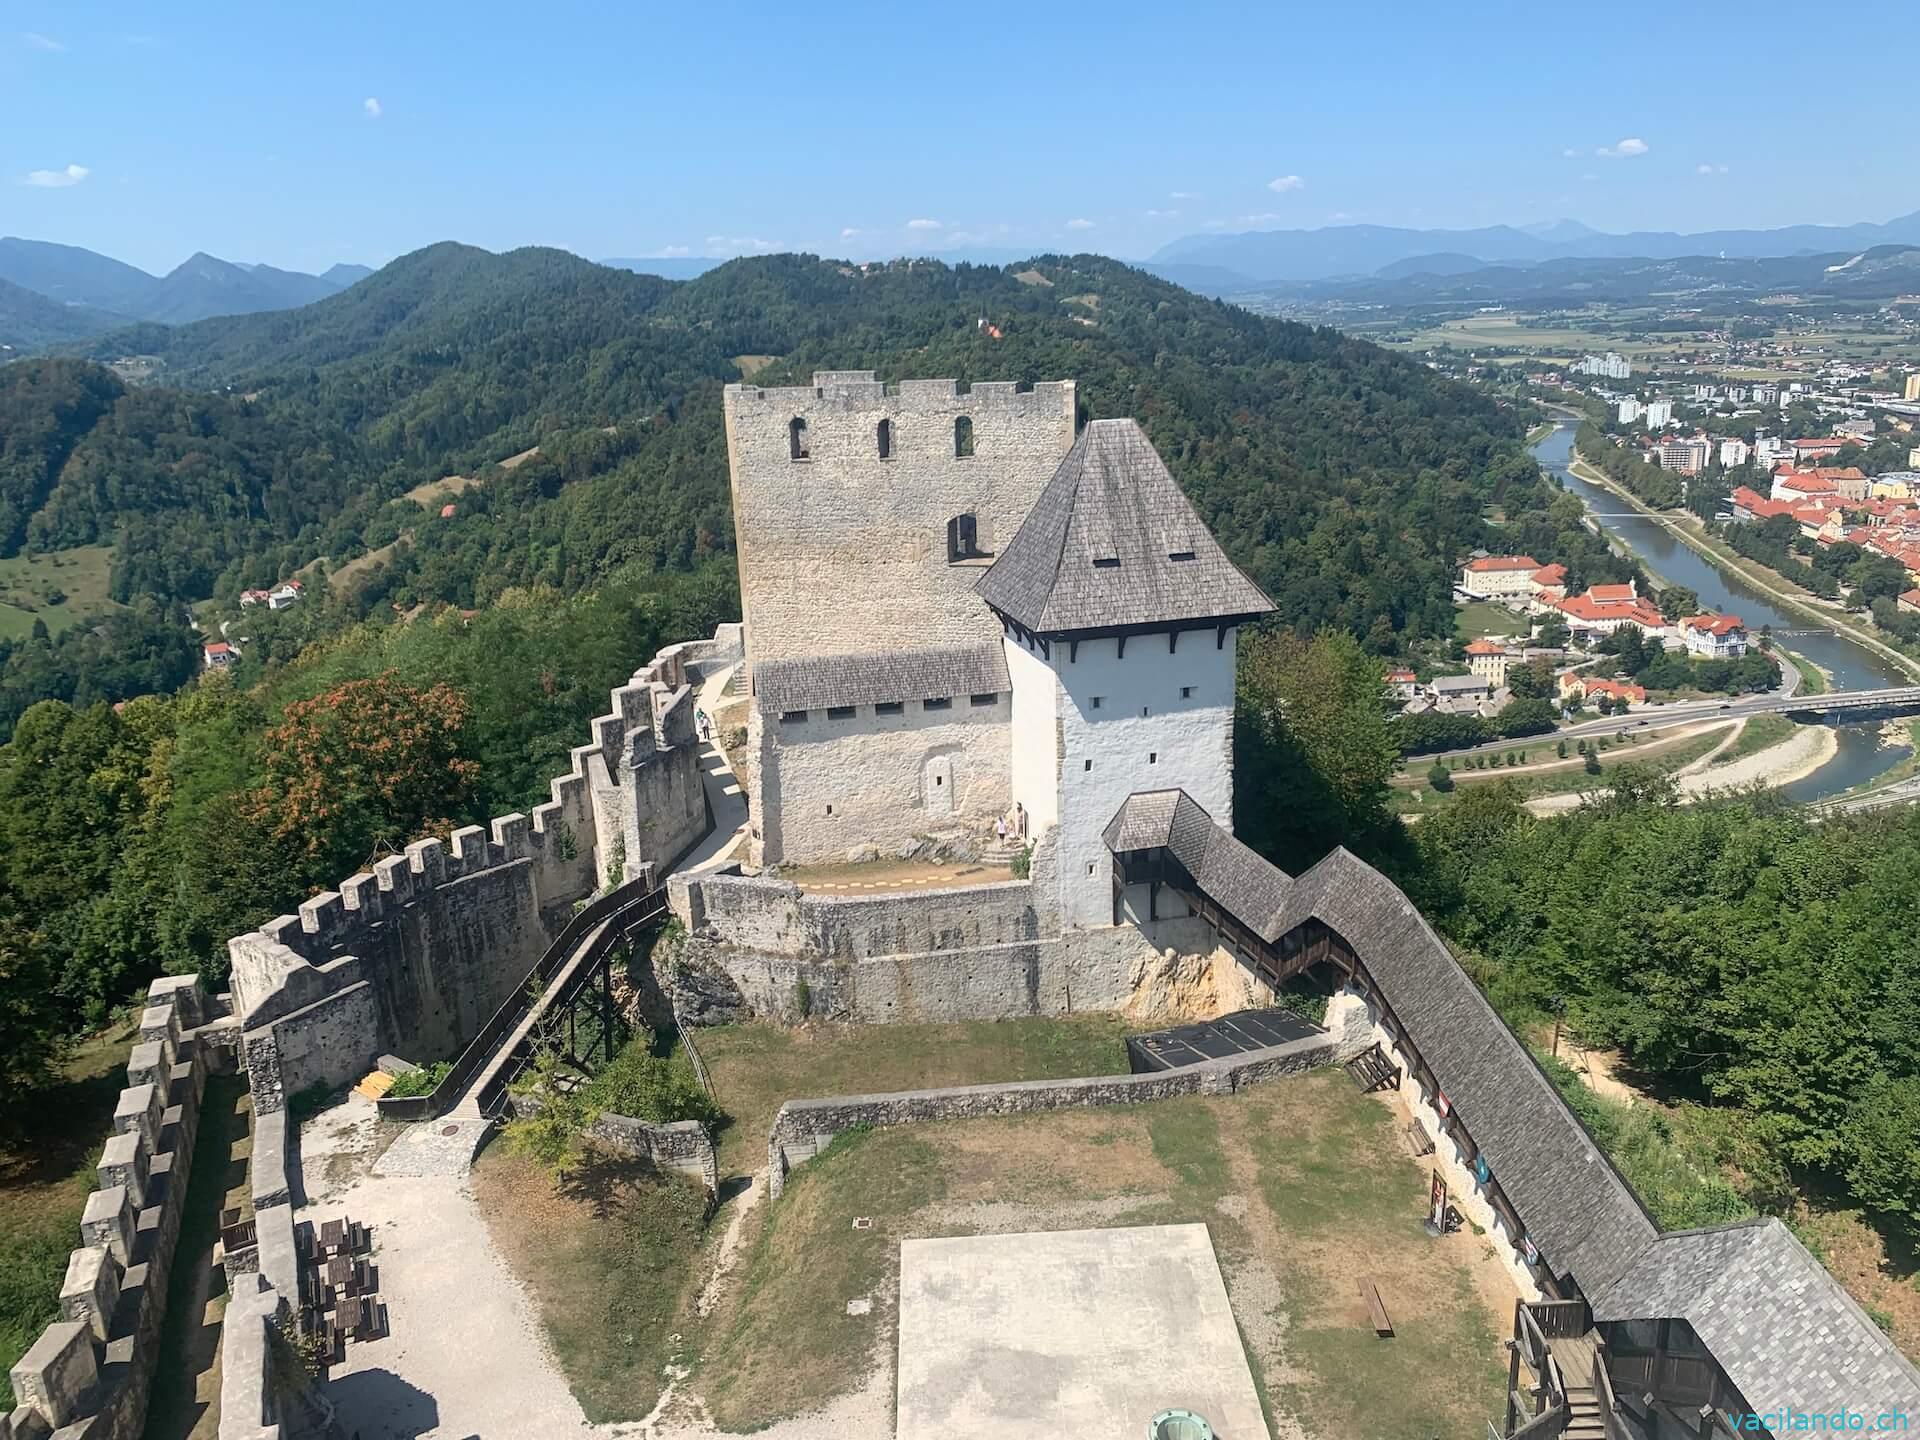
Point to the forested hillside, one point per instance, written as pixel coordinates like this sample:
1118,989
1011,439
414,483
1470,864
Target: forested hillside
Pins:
1346,478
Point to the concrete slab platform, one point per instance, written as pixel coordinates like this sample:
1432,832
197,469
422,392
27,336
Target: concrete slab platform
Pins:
1075,1335
435,1147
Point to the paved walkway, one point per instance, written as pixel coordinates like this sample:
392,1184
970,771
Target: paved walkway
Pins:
723,791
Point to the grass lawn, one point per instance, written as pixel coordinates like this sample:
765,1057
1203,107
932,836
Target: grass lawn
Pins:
1478,617
1812,682
757,1066
46,1173
1762,732
28,583
186,1388
1561,777
610,1257
1305,1186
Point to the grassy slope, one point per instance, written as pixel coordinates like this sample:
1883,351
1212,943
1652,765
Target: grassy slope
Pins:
27,580
755,1067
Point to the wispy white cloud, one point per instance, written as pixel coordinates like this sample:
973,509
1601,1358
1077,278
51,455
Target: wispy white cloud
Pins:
1161,214
1633,145
923,225
34,40
739,245
1284,183
849,231
673,252
1337,216
372,107
1703,168
1265,217
1184,195
1078,224
1570,152
56,179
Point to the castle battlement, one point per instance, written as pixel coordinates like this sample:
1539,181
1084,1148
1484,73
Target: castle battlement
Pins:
851,390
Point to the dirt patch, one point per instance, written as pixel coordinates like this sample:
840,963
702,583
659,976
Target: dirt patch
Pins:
1883,1280
1032,277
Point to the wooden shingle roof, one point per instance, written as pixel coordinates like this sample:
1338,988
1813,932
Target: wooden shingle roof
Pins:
885,677
1112,541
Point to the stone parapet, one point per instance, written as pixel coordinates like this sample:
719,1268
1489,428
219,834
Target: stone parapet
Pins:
683,1146
89,1373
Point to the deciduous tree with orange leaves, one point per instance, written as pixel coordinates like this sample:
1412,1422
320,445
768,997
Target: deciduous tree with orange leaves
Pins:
364,768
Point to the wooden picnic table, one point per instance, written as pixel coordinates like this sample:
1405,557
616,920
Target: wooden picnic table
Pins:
340,1273
333,1235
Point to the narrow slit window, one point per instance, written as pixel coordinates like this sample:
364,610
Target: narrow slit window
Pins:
963,438
883,438
1186,692
793,717
797,439
940,702
991,697
1094,702
840,712
1086,765
963,538
890,707
1153,757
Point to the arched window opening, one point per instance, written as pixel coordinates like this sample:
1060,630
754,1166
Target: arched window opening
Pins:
883,435
963,538
797,438
963,438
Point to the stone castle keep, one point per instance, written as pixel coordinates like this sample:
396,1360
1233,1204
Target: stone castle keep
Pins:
957,610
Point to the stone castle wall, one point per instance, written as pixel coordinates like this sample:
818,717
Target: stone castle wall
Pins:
414,955
89,1374
845,552
828,787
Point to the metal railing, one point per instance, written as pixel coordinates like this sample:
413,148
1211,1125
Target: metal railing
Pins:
474,1058
628,920
693,1053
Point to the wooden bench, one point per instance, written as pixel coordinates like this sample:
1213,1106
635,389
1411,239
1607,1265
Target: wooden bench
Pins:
1418,1138
1382,1326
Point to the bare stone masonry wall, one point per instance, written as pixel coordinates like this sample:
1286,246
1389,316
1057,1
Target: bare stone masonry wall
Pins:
683,1146
88,1375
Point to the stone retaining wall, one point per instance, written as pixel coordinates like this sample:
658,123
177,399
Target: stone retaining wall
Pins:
88,1375
803,1128
683,1146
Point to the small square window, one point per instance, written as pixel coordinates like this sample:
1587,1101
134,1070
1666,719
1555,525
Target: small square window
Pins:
1086,764
1186,692
990,697
890,707
942,702
792,717
839,712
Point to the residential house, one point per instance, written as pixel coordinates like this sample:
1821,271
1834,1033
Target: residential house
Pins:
1896,485
1909,601
252,597
218,654
284,594
1499,577
1489,660
1749,504
1849,481
1714,637
1579,687
1403,684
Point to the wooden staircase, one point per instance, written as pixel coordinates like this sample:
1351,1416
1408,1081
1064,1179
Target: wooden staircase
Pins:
1576,1358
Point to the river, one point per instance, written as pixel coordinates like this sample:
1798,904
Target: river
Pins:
1852,666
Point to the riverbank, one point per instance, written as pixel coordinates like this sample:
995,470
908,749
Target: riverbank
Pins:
1691,532
1794,758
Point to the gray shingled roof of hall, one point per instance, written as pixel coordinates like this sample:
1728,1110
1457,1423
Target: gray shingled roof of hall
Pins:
1579,1211
817,682
1113,501
1786,1333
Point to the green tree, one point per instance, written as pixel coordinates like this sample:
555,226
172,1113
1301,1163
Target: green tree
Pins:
1313,749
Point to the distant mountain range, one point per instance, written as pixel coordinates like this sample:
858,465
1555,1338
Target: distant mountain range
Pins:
96,293
1878,273
1257,259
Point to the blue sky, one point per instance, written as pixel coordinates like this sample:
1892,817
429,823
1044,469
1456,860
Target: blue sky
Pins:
301,135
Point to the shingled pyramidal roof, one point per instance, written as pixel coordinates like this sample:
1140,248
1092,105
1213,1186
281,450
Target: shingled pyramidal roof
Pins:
1112,541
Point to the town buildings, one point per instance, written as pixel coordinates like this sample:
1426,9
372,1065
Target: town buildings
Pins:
1686,456
1734,453
1912,389
1658,414
1489,660
1606,367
